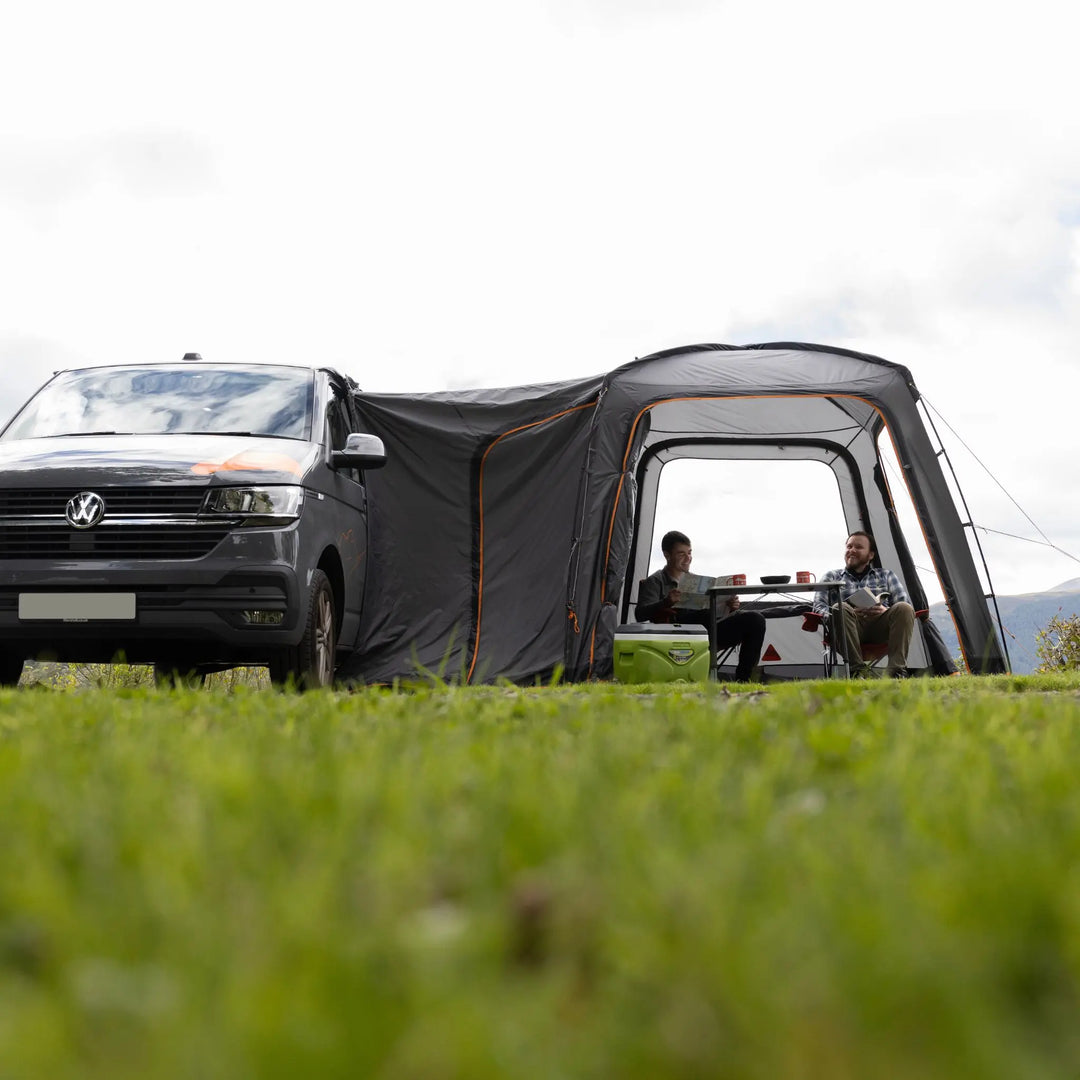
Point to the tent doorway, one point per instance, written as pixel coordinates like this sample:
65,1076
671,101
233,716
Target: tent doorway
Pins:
750,516
756,509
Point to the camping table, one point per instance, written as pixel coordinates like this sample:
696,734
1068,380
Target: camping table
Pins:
833,587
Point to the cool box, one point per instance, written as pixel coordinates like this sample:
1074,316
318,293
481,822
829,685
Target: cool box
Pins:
661,652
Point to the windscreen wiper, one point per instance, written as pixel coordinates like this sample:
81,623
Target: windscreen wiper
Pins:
249,434
71,434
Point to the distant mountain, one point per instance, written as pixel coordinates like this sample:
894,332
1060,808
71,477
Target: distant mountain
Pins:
1023,616
1072,585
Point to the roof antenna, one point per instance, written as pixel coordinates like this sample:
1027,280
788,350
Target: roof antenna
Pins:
192,356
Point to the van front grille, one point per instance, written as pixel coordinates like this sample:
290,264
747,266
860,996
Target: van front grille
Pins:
165,501
127,542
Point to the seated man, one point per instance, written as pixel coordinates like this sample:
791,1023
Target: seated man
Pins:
891,620
658,601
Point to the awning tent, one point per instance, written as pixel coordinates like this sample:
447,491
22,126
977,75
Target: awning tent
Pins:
509,527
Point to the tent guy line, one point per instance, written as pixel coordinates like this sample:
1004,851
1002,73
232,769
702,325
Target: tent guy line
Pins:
1048,542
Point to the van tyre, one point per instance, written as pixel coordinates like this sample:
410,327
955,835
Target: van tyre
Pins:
311,663
10,670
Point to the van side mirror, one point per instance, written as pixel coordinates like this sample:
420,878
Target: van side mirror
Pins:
361,451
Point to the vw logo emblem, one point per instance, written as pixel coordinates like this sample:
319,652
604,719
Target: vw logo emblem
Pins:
85,510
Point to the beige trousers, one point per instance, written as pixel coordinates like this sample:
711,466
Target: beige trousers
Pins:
893,628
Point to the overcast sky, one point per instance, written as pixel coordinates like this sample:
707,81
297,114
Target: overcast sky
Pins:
431,195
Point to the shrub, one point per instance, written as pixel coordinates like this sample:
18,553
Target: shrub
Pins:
57,676
1058,643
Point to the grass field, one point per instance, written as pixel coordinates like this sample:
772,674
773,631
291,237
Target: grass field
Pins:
823,880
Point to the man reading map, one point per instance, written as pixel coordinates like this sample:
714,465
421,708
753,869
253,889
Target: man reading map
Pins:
661,599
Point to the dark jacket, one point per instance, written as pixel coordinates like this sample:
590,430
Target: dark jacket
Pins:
652,605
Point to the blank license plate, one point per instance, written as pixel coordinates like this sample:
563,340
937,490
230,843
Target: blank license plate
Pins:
77,607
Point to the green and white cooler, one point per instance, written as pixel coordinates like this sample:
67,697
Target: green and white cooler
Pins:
661,652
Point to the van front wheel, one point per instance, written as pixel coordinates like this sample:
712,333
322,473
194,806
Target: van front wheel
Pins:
311,663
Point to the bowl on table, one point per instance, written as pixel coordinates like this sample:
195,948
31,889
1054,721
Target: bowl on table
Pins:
776,579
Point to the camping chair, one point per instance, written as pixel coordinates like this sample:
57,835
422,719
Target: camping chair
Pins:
873,652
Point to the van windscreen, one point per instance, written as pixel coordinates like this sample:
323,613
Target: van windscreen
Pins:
163,400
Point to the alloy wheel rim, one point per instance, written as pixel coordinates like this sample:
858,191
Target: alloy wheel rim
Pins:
324,640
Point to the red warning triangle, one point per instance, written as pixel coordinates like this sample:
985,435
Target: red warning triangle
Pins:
770,654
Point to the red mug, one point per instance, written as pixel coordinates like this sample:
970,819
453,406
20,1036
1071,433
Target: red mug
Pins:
804,577
738,579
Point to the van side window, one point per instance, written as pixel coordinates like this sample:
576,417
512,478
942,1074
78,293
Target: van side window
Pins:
337,421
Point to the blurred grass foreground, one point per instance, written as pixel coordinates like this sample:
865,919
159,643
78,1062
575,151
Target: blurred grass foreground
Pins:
822,880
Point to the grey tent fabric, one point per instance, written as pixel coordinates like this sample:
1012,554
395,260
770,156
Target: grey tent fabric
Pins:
471,522
504,527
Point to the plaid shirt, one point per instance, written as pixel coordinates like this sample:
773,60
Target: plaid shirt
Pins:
874,578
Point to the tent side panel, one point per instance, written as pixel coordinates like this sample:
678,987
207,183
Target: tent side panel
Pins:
529,491
945,538
419,580
420,600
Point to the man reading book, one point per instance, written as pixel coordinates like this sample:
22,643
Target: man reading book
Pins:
876,608
660,599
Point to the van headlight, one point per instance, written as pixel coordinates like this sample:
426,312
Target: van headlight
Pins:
276,505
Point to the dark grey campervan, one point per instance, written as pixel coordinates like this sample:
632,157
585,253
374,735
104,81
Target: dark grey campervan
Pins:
194,516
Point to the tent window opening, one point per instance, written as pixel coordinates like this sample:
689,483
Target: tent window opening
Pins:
752,517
